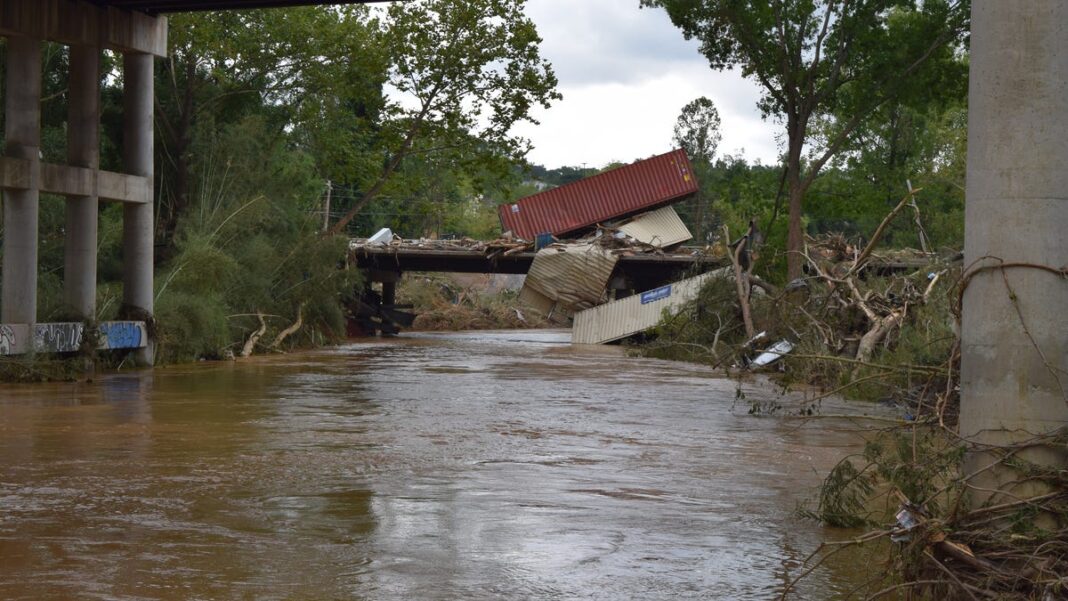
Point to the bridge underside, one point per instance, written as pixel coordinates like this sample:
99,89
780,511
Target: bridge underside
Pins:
645,270
377,310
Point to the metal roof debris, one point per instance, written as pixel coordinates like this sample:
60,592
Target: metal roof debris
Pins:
662,227
567,278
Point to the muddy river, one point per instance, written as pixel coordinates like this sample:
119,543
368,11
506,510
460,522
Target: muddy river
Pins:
488,465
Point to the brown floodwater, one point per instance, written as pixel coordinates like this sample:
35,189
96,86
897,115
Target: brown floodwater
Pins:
485,465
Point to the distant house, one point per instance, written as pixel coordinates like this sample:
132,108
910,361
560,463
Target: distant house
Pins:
537,184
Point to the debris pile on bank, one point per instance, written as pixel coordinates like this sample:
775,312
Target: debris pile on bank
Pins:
883,326
454,302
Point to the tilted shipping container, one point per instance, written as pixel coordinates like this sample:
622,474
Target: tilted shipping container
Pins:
628,316
623,191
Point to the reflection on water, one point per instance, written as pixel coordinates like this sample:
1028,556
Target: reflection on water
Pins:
480,465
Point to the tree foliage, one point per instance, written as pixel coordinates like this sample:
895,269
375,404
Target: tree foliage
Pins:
293,68
817,58
467,71
697,130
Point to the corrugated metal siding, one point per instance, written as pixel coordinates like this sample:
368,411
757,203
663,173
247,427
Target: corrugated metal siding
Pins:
574,277
538,303
628,316
662,227
616,193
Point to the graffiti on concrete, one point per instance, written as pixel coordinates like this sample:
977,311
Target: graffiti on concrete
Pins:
66,337
7,339
14,338
122,334
57,337
8,342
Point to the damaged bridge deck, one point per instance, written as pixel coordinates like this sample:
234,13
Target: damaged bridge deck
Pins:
639,267
630,266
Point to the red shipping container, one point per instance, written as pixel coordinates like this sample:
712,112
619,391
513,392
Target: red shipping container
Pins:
634,188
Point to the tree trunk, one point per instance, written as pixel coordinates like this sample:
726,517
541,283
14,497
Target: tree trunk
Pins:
795,240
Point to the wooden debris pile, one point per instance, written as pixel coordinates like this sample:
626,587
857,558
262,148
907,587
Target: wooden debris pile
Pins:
845,271
608,238
451,302
958,532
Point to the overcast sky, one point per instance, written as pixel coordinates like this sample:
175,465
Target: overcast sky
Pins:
625,72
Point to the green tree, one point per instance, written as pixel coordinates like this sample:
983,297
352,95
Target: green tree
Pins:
901,144
467,71
815,57
697,130
293,67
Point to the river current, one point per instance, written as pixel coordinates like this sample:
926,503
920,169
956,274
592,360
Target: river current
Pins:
483,465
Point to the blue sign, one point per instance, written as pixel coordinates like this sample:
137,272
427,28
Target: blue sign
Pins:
656,294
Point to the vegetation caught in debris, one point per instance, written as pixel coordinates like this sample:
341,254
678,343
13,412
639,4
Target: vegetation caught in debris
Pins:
457,302
941,544
886,331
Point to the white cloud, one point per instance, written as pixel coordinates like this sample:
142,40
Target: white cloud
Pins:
625,72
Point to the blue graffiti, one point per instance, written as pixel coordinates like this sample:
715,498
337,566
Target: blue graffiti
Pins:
121,334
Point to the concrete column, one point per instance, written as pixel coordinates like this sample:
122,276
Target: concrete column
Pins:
1014,345
83,150
137,227
23,139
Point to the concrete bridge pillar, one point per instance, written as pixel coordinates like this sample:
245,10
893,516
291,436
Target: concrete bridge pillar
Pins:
83,150
1014,336
22,122
137,227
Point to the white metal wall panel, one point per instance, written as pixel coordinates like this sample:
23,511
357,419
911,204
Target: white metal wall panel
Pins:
662,227
628,316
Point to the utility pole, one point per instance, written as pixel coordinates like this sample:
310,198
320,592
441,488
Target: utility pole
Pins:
326,206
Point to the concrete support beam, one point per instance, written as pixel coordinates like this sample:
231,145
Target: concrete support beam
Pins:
18,303
66,180
82,23
137,227
83,150
1014,343
122,187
